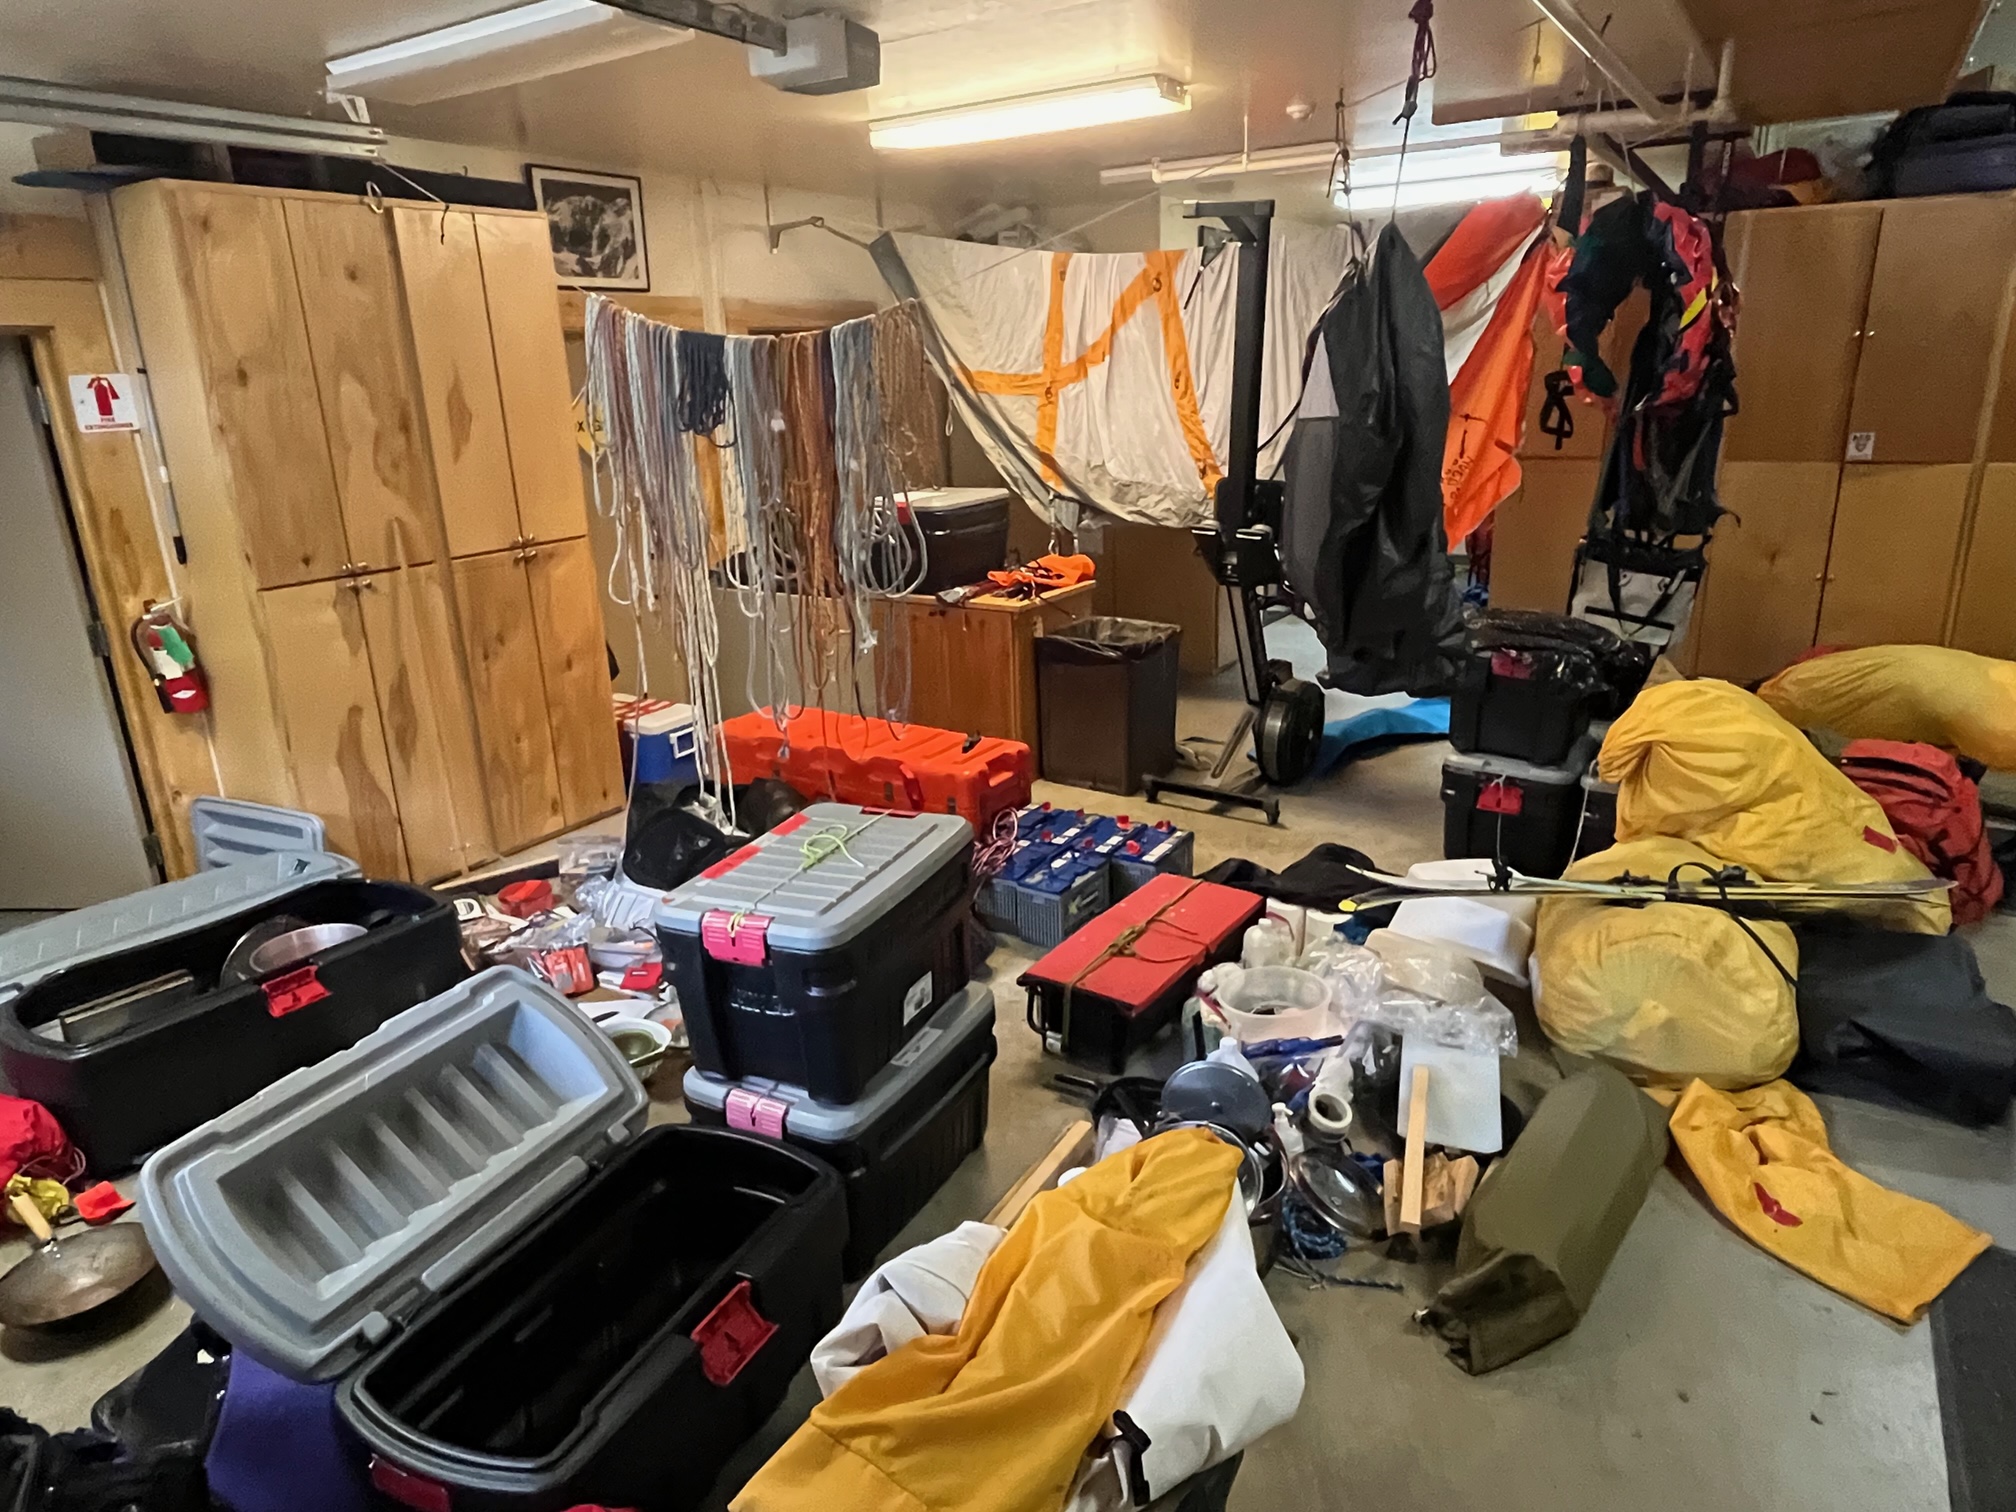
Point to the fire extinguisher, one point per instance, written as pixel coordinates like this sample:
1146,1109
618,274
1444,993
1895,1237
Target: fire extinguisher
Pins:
168,652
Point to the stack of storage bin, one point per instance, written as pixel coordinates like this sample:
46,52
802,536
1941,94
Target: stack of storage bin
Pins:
823,974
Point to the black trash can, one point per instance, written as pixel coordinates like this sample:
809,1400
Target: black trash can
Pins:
1106,702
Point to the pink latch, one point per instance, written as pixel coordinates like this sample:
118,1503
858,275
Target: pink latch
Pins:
730,1336
739,940
755,1113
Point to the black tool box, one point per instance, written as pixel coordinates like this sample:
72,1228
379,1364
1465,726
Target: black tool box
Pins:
527,1299
923,1115
812,954
1499,809
122,1020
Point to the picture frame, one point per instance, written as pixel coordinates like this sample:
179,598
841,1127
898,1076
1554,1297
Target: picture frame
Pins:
596,224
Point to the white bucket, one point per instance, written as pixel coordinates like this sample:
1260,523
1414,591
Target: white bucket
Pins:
1277,1002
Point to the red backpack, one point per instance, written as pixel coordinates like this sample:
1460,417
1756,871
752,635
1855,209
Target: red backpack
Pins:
1936,811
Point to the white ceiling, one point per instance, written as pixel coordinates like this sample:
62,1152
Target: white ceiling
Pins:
694,109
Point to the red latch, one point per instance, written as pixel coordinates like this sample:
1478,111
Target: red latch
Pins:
739,939
408,1489
730,1336
295,990
1516,665
1500,796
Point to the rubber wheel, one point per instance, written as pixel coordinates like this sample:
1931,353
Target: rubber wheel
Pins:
1290,731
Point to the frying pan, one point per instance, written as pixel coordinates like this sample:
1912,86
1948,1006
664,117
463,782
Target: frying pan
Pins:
64,1278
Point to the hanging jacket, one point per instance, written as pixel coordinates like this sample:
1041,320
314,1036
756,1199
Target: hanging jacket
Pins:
1362,539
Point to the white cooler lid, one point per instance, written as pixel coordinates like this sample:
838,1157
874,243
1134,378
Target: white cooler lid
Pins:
311,1220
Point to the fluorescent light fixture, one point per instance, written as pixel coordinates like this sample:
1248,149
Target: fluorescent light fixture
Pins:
508,47
36,103
1099,104
1454,176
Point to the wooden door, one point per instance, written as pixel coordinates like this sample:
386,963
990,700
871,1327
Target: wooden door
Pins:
430,737
1986,619
1890,569
1760,601
328,708
501,647
1803,273
370,392
1935,312
251,344
1533,547
519,290
566,607
443,280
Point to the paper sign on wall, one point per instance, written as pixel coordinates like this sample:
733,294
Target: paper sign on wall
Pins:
1862,446
103,402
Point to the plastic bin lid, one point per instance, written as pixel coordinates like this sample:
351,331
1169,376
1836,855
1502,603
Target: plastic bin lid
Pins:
1477,764
828,1123
822,876
311,1220
39,950
929,499
231,829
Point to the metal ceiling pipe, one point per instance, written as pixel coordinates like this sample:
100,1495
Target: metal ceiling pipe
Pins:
1589,41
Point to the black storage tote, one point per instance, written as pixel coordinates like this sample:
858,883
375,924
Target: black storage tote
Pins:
527,1299
119,1019
1500,809
919,1118
1106,702
965,534
812,954
1531,683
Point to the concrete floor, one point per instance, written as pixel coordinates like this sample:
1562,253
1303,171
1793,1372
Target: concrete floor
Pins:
1707,1377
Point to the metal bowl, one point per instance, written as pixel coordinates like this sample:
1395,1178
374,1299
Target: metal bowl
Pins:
297,945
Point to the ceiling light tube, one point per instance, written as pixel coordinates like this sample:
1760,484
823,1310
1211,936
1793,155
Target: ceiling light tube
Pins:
491,52
34,102
1100,104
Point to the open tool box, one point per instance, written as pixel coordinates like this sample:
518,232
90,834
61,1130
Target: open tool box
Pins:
133,1021
923,1114
813,953
527,1299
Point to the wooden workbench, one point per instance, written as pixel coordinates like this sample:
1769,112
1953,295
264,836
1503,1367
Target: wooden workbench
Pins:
973,668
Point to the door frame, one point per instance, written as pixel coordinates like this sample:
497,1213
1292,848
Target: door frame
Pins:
50,295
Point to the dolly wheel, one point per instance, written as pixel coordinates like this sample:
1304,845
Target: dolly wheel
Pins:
1290,731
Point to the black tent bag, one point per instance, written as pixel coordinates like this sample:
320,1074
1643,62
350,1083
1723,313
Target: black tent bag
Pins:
1904,1020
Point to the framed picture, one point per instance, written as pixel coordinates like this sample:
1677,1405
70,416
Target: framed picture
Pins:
596,222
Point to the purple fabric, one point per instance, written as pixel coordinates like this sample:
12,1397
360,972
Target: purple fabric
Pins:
279,1446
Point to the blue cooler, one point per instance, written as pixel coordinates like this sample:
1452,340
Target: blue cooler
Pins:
658,740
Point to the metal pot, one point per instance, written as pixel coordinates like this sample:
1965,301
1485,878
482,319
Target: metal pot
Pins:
297,945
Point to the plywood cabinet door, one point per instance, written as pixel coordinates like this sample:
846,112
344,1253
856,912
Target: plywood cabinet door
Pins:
566,607
519,290
430,737
1803,273
1767,566
1986,619
251,346
1890,569
1538,528
370,392
1935,313
443,280
320,662
1591,424
508,687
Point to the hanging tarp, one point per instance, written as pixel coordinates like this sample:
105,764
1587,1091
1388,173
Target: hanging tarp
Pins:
1105,379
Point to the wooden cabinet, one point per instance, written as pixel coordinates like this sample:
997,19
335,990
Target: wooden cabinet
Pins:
957,658
443,278
518,294
510,696
1803,273
1985,617
366,415
1770,550
1931,337
1533,547
1890,569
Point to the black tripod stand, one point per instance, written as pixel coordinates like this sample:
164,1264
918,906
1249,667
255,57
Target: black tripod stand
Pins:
1283,713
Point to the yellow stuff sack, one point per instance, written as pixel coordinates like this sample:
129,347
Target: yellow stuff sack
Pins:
1669,993
1705,761
1933,694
